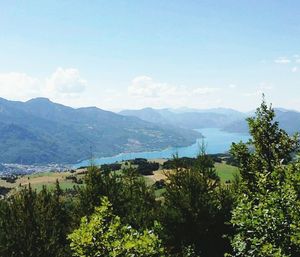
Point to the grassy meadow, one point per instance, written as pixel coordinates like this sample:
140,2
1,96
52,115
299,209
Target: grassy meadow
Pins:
38,180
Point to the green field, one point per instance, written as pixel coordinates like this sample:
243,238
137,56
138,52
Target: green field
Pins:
225,171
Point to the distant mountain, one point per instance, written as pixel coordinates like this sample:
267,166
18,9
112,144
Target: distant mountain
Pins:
40,131
149,114
288,120
219,110
188,118
226,119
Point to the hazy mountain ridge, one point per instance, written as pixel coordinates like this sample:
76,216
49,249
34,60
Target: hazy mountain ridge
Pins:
289,120
188,118
40,131
224,118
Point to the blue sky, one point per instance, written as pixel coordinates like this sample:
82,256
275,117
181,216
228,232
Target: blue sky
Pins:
132,54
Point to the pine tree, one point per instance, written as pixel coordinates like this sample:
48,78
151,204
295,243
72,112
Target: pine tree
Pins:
196,209
132,199
34,224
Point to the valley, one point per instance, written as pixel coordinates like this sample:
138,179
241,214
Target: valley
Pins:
70,179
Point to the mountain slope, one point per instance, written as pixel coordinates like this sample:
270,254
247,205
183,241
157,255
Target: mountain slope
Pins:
40,131
226,119
288,120
188,118
149,114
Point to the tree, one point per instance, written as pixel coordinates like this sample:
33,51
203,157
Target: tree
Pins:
34,224
132,199
196,209
267,216
269,147
103,234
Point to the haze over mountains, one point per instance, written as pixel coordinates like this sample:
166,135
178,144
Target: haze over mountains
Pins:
189,118
226,119
40,131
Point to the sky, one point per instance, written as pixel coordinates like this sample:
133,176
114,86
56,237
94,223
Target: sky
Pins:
160,53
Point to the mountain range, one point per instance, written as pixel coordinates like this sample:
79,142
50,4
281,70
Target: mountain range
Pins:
42,132
289,120
223,118
39,131
188,118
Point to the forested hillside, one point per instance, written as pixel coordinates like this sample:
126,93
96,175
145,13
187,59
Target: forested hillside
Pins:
40,131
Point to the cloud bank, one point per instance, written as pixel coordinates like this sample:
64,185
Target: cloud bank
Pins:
61,83
145,91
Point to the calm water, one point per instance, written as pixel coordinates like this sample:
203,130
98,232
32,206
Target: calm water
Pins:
216,140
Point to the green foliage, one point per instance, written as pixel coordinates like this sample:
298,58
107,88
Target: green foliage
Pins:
128,193
147,168
269,147
267,221
189,251
266,218
196,209
183,162
34,224
102,234
111,167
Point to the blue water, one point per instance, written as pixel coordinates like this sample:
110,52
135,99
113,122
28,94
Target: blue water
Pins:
216,141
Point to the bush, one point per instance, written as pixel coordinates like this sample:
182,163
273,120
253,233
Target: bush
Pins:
111,167
183,162
103,235
147,168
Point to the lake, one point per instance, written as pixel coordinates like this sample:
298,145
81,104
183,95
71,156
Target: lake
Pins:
216,141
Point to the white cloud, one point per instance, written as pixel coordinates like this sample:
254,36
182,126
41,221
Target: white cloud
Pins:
19,86
144,86
62,83
295,69
282,60
232,86
145,91
66,82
